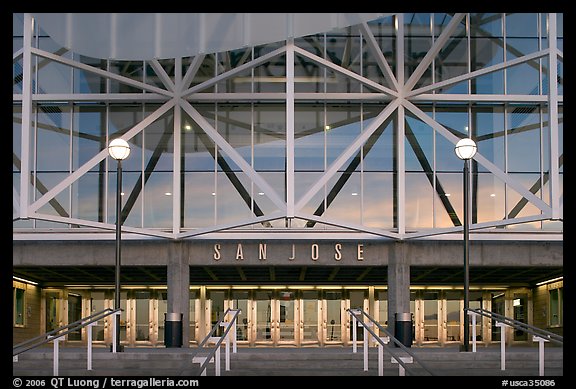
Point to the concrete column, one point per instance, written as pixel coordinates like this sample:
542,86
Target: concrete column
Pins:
398,283
178,280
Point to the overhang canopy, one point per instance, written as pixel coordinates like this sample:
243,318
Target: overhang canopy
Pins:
143,36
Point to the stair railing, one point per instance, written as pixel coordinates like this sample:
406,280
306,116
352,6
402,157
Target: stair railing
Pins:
402,361
538,334
214,353
57,334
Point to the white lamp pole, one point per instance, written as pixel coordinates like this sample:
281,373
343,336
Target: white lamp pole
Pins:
465,150
118,149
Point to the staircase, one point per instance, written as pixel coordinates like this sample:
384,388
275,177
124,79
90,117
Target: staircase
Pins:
284,361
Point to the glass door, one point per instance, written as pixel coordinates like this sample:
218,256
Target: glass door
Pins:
498,303
357,299
240,300
97,305
454,315
332,308
262,316
309,317
74,314
52,311
162,308
215,306
520,305
284,317
431,308
141,315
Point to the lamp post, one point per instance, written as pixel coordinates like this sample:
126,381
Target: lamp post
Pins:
465,150
118,149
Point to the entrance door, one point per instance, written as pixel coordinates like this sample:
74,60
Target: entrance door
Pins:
332,321
310,329
241,301
274,317
357,299
262,316
284,317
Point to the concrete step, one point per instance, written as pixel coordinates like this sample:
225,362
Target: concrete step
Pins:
309,361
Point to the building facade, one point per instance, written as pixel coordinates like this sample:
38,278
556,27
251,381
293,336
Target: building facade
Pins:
293,180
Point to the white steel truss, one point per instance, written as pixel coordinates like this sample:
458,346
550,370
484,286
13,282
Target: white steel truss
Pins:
400,95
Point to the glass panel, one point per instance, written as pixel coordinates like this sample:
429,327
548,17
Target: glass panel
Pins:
333,315
267,75
430,301
286,319
309,313
194,294
382,297
488,126
53,77
269,137
520,304
448,200
216,303
523,79
419,201
233,197
240,301
53,138
199,199
554,307
498,301
74,314
122,118
452,60
356,302
158,200
343,126
88,135
378,196
52,311
490,199
142,301
19,306
418,145
123,316
453,313
263,300
130,69
309,137
475,302
88,197
523,138
97,305
344,197
89,82
162,309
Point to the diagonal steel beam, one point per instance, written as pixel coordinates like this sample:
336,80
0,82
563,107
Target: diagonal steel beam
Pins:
434,50
511,181
233,154
430,175
99,157
346,154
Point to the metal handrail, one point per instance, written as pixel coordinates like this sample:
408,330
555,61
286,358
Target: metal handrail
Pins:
55,333
393,338
520,325
222,337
